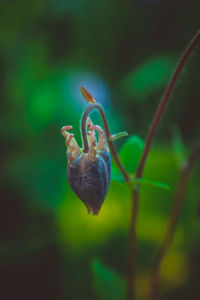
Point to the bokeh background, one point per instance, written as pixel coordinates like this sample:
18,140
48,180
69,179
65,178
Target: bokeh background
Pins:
123,52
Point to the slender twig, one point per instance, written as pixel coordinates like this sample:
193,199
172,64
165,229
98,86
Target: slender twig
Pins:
150,136
132,247
139,171
116,158
173,220
164,101
108,135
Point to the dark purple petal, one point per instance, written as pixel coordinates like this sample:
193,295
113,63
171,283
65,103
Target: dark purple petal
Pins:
90,180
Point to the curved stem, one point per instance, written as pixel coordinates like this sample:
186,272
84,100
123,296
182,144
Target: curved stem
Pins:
150,136
164,101
108,135
173,220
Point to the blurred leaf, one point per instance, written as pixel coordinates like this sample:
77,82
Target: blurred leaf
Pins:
117,176
178,147
151,182
130,153
129,156
108,284
149,77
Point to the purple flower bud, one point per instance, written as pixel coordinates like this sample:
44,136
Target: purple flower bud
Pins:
89,173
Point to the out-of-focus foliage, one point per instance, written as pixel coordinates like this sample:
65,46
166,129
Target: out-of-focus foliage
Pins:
123,52
109,285
150,182
145,80
129,155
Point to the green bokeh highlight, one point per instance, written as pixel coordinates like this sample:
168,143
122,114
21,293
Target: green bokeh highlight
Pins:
149,77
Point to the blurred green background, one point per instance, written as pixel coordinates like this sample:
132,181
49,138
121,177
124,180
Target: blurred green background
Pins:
123,52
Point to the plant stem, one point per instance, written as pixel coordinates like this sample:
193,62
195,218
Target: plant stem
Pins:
132,247
132,242
165,99
108,135
173,220
150,136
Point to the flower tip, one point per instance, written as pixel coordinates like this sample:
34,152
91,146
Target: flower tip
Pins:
93,209
68,127
64,130
95,213
86,95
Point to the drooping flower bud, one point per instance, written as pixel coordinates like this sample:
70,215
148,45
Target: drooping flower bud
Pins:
89,173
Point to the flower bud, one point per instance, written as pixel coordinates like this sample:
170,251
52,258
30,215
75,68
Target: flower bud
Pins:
89,173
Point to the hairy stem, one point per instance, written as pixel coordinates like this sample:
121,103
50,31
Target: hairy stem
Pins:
173,220
108,135
150,136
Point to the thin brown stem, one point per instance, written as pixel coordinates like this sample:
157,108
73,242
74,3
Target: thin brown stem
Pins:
132,242
132,248
173,220
139,171
165,99
108,135
150,136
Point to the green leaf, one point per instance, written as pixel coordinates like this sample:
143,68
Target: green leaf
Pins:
151,182
129,156
108,284
130,153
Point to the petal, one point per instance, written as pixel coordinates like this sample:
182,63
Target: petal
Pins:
92,153
102,142
91,134
73,150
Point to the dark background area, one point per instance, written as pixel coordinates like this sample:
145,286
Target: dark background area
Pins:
124,53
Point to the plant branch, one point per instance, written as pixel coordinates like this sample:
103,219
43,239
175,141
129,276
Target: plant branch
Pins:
173,220
108,135
165,99
150,136
131,289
